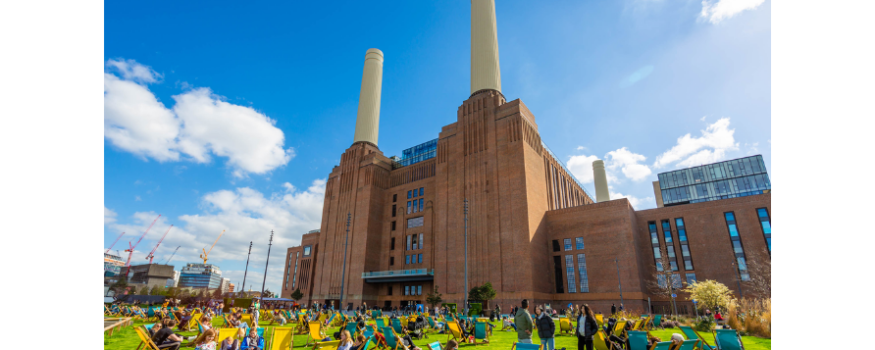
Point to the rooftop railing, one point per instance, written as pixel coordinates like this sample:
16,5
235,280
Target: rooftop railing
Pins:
398,273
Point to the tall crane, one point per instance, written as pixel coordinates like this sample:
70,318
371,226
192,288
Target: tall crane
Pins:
131,249
113,243
171,255
152,253
206,252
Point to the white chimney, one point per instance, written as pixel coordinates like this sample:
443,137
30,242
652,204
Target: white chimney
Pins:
485,73
367,124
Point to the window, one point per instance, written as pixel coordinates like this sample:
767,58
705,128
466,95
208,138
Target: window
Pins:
682,232
557,271
409,206
737,248
579,242
654,239
393,225
390,291
685,248
391,261
407,261
691,278
393,211
409,193
657,256
421,206
415,206
415,222
307,251
392,245
295,276
569,272
676,281
414,193
670,250
766,225
567,242
408,242
419,259
581,270
555,245
406,290
666,231
420,241
394,199
415,240
419,290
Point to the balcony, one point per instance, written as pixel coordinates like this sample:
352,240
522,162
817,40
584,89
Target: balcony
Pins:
398,276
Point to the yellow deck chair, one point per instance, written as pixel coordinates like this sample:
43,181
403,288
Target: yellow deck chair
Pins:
565,326
645,323
620,329
637,324
145,339
327,345
454,331
600,319
194,320
282,339
315,333
600,341
226,332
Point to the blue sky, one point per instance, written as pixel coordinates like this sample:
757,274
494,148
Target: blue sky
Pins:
231,115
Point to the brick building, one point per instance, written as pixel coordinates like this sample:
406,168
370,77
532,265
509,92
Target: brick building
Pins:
533,231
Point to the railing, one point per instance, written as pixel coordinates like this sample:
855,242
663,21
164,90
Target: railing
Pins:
561,163
401,273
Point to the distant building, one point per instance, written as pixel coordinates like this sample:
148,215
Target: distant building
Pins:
723,180
225,283
200,276
150,275
173,282
230,288
112,267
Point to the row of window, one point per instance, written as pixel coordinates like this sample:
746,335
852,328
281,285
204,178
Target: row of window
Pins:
567,244
414,193
415,206
581,272
713,172
737,247
676,280
707,191
408,290
413,259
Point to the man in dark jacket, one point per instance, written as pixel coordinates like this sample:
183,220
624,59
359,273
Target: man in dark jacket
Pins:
586,328
613,309
546,328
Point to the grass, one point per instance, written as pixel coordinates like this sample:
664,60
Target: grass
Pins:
127,339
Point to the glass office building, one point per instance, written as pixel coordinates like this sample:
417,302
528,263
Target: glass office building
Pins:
418,153
729,179
200,276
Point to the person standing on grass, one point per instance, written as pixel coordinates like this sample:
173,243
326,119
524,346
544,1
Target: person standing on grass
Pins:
524,323
613,309
587,327
546,328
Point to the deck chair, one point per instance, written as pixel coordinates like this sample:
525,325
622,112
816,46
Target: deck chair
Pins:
315,333
601,342
688,344
454,332
637,340
657,322
379,322
392,339
353,328
396,325
600,319
727,339
282,339
646,321
565,326
480,333
225,333
431,324
524,346
637,325
434,346
327,345
620,329
663,345
691,333
145,339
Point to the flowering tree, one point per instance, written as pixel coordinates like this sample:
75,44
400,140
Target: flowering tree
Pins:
710,294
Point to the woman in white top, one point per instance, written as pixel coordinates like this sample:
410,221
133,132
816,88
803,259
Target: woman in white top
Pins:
345,340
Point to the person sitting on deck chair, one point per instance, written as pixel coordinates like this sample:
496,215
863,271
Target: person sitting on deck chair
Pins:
506,324
253,341
165,339
206,341
231,343
205,322
157,326
345,340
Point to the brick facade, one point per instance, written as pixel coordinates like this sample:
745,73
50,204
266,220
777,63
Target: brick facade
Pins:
520,200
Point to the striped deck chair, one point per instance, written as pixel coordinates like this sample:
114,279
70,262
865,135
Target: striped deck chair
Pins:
282,339
524,346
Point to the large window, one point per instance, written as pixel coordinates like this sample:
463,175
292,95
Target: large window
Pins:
737,247
420,241
654,238
685,247
766,224
394,198
295,276
393,210
557,271
567,242
579,242
691,278
415,222
556,245
307,251
666,231
392,244
419,259
581,270
407,260
421,191
569,273
409,194
409,207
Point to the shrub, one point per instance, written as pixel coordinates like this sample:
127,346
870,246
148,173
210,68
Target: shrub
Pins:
705,324
752,316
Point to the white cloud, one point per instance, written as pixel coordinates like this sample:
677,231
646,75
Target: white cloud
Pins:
703,117
628,163
137,198
581,148
752,148
108,216
715,11
201,124
581,167
637,203
246,215
716,139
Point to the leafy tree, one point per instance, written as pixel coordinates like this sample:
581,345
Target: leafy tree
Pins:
119,287
482,293
218,293
434,297
201,294
171,292
144,290
710,294
297,295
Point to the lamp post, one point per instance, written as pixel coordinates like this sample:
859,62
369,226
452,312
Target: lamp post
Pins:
247,266
343,270
617,261
466,257
738,280
267,261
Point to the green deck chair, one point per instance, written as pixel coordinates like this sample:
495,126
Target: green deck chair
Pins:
480,332
431,323
638,340
396,324
663,345
353,328
692,334
392,339
657,321
688,344
434,346
524,346
380,323
727,339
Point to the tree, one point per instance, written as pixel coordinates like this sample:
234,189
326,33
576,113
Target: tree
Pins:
297,295
664,282
118,288
482,293
157,290
218,293
710,294
760,270
144,290
171,292
434,297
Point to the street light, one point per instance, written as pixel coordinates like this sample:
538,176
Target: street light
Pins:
617,261
738,280
466,257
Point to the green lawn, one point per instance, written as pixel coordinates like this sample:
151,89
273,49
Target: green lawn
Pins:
127,339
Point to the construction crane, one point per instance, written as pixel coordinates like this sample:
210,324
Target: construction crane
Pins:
206,252
171,255
152,253
113,243
131,249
